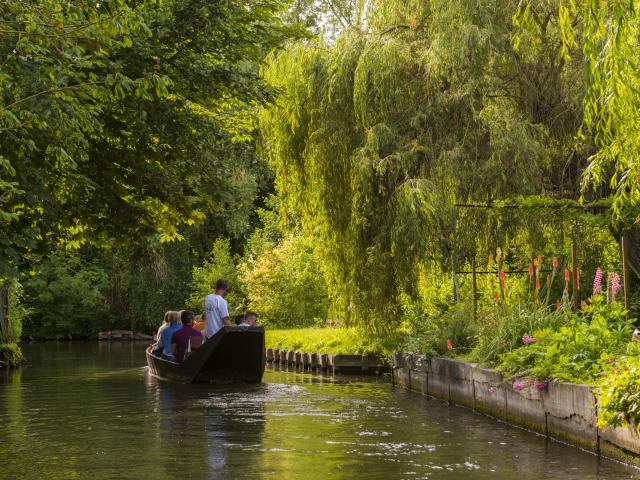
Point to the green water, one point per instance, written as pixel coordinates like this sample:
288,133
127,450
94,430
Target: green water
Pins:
90,411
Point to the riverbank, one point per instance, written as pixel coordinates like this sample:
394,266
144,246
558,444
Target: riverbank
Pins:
565,412
10,355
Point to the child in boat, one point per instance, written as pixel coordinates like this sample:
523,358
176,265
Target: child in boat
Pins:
183,336
158,347
250,319
167,333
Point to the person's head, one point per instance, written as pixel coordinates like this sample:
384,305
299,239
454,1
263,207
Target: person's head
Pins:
167,316
222,287
251,318
174,317
187,317
239,319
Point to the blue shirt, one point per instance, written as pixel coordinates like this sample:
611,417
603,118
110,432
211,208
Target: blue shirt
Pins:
166,336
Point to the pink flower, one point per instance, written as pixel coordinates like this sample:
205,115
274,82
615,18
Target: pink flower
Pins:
540,385
614,285
527,339
597,282
520,385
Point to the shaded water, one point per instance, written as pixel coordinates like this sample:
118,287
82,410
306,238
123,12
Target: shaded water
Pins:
91,411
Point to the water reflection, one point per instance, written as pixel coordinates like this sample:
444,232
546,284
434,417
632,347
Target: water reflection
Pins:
92,411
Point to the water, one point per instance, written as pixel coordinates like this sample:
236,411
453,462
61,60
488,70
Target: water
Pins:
89,411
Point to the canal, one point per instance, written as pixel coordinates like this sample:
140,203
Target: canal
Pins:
90,411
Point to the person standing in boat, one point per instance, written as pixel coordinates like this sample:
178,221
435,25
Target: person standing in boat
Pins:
216,309
185,335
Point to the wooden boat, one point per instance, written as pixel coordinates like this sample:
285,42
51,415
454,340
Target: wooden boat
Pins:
232,355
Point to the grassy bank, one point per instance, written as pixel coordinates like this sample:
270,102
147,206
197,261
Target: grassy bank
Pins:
324,340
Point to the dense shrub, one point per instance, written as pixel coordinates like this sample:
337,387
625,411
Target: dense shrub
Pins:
284,284
501,328
449,333
577,352
219,264
619,393
67,297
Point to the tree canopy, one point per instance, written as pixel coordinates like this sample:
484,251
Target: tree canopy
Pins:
377,137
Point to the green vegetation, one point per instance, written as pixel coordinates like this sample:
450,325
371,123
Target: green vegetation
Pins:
352,179
325,340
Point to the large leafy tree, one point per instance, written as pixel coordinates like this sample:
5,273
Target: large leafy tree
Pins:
379,135
123,121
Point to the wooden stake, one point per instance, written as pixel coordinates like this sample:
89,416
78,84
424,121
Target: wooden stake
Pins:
475,289
574,277
626,280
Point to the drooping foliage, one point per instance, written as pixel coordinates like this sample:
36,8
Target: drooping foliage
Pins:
604,38
376,138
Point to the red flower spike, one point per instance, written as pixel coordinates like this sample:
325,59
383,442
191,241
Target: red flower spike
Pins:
497,295
531,269
537,283
449,345
540,261
555,263
502,275
566,275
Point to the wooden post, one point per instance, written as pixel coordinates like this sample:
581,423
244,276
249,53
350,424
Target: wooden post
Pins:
533,280
499,283
574,277
475,289
624,252
5,327
454,258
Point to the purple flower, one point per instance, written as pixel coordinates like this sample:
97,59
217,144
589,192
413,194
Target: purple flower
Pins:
597,282
614,285
540,385
520,385
527,339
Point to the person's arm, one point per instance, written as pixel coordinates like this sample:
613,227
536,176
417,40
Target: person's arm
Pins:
224,313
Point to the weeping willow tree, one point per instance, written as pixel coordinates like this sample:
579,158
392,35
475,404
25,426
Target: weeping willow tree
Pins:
603,35
376,137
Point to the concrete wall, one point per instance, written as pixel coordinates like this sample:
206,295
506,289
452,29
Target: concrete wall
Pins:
562,411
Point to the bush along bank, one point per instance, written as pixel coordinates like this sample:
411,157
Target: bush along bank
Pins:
570,375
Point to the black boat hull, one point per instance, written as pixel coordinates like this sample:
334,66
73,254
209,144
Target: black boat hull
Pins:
232,355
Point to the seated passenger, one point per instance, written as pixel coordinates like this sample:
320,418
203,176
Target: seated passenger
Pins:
182,337
199,325
158,347
166,336
238,319
250,319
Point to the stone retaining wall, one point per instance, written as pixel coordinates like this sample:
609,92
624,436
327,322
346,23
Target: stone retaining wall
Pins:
328,363
562,411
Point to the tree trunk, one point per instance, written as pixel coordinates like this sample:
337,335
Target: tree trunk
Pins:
4,311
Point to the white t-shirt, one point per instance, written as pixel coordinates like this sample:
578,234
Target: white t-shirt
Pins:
215,307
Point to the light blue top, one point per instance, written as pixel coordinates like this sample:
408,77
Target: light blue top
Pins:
166,336
215,308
